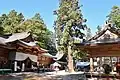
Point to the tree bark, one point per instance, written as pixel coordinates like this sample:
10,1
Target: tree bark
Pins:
70,60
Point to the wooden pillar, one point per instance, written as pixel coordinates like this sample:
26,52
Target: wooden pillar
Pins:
117,59
91,64
104,60
100,64
111,63
98,59
15,66
23,66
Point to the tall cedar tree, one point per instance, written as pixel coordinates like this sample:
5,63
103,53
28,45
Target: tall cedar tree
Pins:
68,25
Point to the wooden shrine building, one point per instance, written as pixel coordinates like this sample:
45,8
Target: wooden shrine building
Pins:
106,43
19,52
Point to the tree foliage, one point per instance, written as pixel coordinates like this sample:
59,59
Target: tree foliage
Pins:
77,55
14,22
114,16
69,21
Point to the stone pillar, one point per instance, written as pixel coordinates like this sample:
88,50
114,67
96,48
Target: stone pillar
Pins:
15,66
23,66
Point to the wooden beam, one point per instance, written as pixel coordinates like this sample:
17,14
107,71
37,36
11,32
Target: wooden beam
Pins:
98,54
102,50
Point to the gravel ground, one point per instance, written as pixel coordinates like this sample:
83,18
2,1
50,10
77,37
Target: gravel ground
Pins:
61,75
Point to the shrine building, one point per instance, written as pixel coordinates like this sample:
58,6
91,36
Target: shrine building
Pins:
104,45
19,52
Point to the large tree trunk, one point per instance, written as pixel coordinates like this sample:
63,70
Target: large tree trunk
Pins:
70,60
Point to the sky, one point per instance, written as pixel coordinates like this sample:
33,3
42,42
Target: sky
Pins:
95,11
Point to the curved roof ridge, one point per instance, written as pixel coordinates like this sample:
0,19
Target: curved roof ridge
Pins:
17,36
106,27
